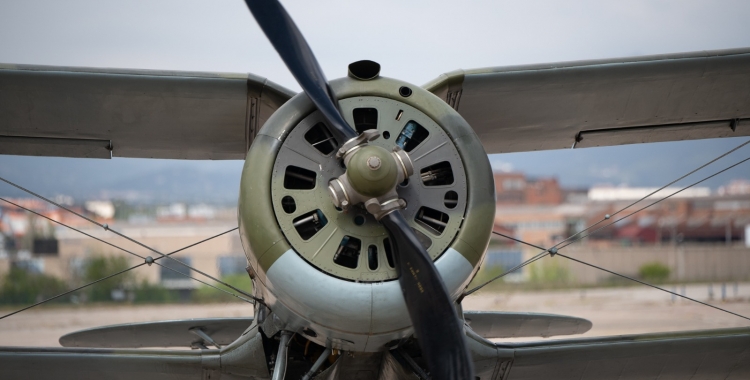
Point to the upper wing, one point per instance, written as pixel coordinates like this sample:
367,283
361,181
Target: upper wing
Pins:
605,102
80,112
711,354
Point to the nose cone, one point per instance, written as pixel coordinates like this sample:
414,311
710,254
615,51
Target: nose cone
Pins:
372,171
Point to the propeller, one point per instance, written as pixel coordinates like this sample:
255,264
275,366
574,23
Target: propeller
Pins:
298,57
430,308
431,311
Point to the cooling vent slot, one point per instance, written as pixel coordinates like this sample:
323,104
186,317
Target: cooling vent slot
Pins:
451,199
321,139
297,178
437,174
288,204
309,224
348,253
411,136
372,257
434,220
365,118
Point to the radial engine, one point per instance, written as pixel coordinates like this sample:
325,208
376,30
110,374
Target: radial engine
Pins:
320,261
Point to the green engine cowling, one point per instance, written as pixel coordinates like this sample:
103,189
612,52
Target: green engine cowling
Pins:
330,272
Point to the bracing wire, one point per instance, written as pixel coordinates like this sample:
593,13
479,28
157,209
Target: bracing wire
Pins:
611,272
254,299
621,275
123,249
553,249
205,283
511,270
653,192
73,290
655,202
70,227
107,228
651,285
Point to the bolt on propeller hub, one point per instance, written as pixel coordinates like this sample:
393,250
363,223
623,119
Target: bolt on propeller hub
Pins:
373,163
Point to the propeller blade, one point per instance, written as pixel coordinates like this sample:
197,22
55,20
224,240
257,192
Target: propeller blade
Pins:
435,321
298,57
430,308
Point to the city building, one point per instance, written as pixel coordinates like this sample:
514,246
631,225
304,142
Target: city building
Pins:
516,188
39,245
711,226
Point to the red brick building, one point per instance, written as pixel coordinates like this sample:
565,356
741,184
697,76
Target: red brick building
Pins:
516,188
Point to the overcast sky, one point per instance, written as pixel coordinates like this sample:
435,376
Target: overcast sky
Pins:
413,40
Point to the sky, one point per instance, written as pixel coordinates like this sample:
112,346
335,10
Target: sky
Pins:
413,40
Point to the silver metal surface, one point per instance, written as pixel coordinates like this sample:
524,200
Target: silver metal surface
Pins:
157,334
345,314
497,324
545,106
206,338
243,358
712,354
144,113
35,363
279,368
490,362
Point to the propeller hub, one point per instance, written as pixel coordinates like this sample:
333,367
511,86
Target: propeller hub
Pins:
372,171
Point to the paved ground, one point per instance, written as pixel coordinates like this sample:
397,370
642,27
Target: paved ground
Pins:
612,311
44,326
615,311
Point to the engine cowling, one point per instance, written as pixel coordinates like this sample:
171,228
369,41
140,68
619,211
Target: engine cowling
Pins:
329,273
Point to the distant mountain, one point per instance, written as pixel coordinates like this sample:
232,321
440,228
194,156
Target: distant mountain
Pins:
634,165
136,180
160,181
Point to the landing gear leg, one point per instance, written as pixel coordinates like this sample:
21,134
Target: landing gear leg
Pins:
279,369
317,364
